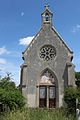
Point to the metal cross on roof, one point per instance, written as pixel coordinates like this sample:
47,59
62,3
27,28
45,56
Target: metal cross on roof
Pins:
46,6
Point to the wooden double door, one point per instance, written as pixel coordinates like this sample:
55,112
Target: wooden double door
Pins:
47,96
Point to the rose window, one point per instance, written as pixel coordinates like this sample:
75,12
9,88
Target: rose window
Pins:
47,52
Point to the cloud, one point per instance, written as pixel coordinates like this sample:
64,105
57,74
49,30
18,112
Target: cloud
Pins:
3,50
2,61
26,41
12,68
22,14
1,69
76,28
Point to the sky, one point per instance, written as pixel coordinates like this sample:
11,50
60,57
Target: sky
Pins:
20,20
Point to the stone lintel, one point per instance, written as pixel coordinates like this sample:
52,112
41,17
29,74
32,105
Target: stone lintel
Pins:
23,65
23,86
69,64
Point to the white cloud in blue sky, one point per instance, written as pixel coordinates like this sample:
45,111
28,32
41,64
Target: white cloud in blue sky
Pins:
3,61
22,14
11,68
76,28
26,41
7,63
3,50
18,18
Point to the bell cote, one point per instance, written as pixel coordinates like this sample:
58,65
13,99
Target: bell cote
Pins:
47,16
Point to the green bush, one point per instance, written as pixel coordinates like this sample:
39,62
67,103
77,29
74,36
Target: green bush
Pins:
70,96
70,99
10,97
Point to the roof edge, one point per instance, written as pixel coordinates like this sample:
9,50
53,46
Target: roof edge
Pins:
53,28
31,42
47,11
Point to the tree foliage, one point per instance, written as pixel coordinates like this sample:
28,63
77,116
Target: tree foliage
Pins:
11,99
77,76
10,96
70,96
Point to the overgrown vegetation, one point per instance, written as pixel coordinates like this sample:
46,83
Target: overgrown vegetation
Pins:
10,97
37,114
70,96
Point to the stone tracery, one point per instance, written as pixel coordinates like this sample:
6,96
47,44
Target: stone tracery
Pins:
47,77
47,52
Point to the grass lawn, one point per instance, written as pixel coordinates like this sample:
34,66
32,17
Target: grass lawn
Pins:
37,114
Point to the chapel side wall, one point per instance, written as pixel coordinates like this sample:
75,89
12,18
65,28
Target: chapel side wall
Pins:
71,75
32,77
23,81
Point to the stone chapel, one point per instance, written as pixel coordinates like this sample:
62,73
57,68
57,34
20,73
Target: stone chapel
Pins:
47,67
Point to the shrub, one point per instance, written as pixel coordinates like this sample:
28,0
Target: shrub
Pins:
10,97
70,99
70,96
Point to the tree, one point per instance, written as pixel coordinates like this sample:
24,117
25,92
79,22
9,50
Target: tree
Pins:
11,99
70,96
77,76
6,83
10,96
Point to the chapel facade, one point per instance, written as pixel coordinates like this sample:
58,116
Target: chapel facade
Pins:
47,67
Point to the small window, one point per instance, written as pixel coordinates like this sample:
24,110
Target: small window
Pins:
47,17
